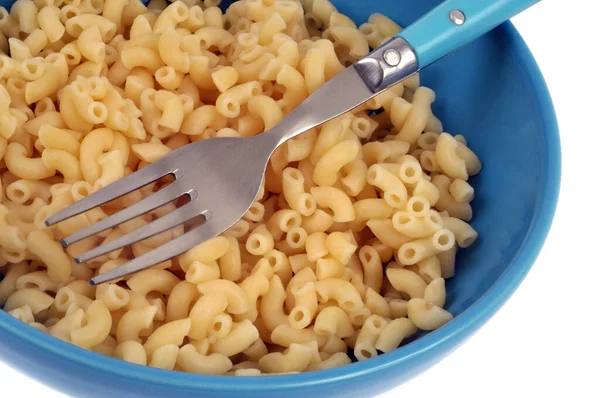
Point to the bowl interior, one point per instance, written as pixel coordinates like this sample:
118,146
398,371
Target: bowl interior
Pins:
490,92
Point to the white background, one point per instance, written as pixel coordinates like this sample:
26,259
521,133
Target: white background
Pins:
545,340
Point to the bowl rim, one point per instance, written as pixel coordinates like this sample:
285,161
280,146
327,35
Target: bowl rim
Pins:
455,331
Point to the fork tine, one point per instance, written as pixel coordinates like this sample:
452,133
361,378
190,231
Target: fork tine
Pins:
154,201
174,218
115,190
162,253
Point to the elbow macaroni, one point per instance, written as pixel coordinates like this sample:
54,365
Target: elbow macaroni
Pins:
347,246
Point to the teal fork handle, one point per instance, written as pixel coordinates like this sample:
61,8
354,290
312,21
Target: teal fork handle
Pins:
439,32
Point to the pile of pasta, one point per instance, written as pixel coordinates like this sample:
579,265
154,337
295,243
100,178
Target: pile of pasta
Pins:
343,255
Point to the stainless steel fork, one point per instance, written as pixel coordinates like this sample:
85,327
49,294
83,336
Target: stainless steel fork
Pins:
222,176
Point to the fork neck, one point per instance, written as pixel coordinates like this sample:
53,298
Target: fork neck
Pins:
348,89
289,127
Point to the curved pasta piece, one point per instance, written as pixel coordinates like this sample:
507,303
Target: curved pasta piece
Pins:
239,339
190,360
271,305
333,321
23,166
364,348
341,291
237,302
335,200
294,359
406,281
426,315
170,333
164,357
393,333
51,253
134,321
132,351
36,300
97,328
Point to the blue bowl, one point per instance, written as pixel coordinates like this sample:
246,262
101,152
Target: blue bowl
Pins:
492,92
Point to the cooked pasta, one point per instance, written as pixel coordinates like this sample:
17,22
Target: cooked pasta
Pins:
346,249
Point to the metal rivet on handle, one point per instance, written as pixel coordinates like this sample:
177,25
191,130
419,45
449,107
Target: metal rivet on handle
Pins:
457,17
391,57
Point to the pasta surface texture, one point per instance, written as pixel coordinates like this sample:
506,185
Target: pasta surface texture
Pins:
345,252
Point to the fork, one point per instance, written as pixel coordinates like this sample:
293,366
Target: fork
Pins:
222,176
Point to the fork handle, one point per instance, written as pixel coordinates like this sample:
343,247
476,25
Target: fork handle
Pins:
455,23
447,27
